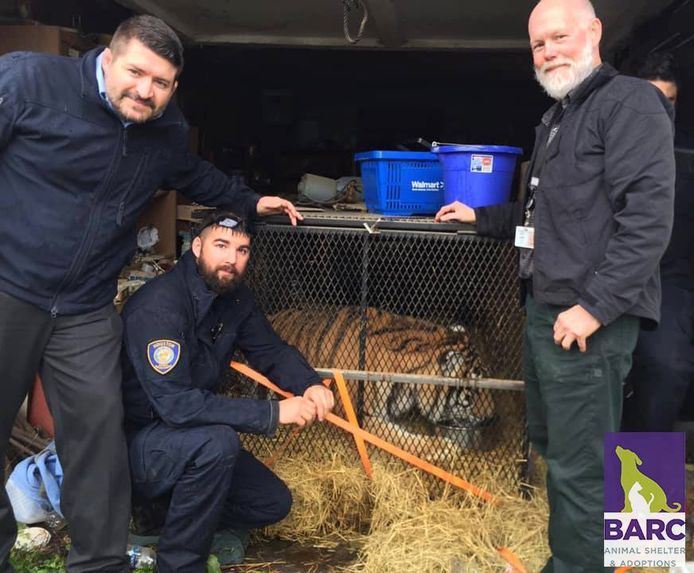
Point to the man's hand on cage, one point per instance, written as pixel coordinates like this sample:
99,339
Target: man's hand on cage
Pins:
277,205
297,410
323,399
456,211
574,325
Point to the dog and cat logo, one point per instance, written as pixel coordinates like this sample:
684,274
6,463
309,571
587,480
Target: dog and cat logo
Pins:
644,523
641,493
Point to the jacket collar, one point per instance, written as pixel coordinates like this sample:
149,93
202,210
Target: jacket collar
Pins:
201,296
88,84
598,78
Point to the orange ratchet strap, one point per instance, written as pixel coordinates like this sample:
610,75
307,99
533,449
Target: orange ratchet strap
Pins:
361,436
357,432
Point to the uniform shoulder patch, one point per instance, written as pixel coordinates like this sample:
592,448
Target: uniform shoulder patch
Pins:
163,355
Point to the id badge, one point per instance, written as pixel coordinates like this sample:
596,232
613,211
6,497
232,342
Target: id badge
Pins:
525,237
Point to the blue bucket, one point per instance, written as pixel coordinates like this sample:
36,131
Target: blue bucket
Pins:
477,175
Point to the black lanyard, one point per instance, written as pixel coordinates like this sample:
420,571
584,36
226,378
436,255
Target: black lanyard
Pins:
539,162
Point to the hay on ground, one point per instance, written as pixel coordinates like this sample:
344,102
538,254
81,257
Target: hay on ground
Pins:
400,523
332,500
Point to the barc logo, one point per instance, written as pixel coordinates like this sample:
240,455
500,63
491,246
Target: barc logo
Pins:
641,493
644,498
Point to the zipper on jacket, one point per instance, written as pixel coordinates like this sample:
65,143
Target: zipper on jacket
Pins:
119,215
87,237
134,182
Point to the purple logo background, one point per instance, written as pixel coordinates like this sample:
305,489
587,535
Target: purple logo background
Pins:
662,454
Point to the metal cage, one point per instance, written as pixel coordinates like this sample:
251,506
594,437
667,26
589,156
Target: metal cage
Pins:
424,320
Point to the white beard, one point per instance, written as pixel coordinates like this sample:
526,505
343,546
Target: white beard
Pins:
559,83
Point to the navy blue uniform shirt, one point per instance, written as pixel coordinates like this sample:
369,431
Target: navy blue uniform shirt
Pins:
179,339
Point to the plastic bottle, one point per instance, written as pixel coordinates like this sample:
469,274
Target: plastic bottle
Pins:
139,556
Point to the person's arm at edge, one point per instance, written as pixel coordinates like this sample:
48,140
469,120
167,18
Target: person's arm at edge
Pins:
498,221
203,183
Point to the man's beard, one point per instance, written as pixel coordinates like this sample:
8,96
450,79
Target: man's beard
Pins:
214,282
559,84
118,106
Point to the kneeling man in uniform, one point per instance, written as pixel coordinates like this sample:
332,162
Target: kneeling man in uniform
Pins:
180,332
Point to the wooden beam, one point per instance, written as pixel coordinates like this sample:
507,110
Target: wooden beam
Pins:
508,44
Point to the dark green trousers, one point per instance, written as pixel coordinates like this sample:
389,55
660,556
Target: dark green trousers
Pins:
573,398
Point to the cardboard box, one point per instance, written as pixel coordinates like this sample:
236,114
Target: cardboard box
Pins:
188,212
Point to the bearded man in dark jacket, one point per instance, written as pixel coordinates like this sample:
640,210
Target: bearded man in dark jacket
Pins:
591,230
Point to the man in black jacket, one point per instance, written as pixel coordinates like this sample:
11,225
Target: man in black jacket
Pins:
663,368
180,332
84,145
595,221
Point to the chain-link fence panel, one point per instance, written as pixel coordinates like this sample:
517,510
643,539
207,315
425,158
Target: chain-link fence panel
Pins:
423,318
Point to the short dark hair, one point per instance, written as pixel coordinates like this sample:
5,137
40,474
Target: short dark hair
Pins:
225,219
153,33
658,66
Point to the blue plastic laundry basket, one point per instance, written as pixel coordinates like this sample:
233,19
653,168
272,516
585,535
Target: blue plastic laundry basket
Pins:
401,182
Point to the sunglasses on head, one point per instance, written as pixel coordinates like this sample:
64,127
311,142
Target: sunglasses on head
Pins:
226,221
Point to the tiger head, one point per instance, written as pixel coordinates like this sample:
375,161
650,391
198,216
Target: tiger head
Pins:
451,405
462,361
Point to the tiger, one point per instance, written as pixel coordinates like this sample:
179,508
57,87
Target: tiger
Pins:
330,338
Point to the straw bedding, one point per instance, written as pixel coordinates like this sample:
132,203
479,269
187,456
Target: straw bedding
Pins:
403,520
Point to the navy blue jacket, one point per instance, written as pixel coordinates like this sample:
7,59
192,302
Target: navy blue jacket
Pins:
73,181
604,205
179,308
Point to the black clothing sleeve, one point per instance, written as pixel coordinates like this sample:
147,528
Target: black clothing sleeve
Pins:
203,183
640,179
272,356
499,221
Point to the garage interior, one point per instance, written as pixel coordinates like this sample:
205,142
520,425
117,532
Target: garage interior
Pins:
274,90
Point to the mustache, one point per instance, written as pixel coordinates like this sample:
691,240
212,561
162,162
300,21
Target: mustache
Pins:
133,96
555,64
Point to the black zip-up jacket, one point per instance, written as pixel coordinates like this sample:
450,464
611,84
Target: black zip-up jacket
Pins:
604,205
677,264
203,332
73,181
